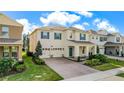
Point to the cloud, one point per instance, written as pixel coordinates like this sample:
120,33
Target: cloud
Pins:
85,24
28,27
81,26
104,25
59,18
85,13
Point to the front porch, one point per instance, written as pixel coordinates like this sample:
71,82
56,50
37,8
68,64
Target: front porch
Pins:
81,53
114,49
11,51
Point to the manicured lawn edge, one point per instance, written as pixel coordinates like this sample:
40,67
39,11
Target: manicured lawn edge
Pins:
34,73
97,63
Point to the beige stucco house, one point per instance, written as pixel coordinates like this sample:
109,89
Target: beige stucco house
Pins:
10,38
58,41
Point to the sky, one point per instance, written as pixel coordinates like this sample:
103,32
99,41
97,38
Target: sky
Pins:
112,21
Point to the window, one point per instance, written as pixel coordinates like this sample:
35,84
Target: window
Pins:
82,36
14,52
103,39
92,37
117,39
6,51
57,36
97,37
5,31
44,35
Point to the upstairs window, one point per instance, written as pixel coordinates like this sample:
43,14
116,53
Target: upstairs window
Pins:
117,39
5,31
44,35
102,39
82,36
57,36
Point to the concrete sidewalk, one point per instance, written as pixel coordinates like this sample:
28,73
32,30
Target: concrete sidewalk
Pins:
114,57
99,76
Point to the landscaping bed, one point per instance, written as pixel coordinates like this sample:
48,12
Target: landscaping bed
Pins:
121,75
10,66
102,63
34,72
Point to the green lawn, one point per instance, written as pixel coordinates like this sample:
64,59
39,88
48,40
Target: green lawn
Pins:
34,72
111,65
121,75
104,67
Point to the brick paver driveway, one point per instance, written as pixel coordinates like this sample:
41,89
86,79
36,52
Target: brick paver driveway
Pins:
67,68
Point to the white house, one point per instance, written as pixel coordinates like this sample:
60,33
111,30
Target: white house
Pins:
58,41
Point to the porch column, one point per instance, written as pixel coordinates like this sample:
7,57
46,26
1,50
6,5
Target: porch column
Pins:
10,51
20,52
76,51
87,50
120,50
95,50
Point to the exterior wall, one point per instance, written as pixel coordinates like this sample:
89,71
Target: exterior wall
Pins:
14,32
51,44
111,39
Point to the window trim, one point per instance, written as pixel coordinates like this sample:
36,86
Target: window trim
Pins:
82,37
56,38
45,37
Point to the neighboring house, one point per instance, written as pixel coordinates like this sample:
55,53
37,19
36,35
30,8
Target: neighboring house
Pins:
58,41
10,38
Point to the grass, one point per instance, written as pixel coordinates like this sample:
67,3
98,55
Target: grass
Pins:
104,67
112,63
121,75
34,72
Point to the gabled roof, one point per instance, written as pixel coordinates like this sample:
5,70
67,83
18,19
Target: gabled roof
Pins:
5,20
75,29
91,31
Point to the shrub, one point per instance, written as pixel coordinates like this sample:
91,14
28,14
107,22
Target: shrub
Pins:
5,66
93,62
8,66
102,58
29,53
37,60
38,50
20,67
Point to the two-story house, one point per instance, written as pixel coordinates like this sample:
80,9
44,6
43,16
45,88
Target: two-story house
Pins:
10,38
58,41
114,45
99,38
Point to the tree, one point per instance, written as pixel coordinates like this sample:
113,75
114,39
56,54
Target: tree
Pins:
38,50
24,41
97,49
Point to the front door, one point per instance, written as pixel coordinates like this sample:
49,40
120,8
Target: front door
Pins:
70,52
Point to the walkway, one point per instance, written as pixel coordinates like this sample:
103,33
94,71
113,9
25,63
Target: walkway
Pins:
100,76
